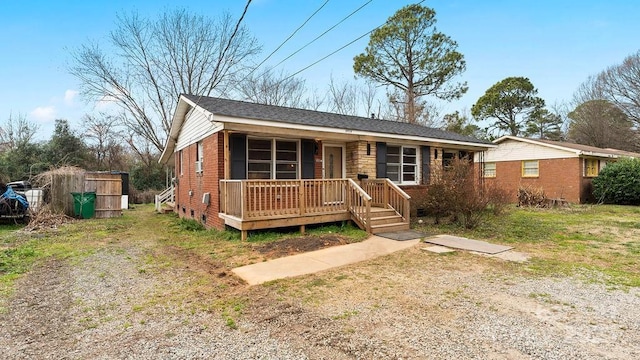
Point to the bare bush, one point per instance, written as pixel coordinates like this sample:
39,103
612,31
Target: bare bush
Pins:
532,197
459,191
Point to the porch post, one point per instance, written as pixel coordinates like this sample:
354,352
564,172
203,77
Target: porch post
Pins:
301,198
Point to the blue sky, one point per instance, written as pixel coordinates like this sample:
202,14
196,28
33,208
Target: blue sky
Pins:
556,44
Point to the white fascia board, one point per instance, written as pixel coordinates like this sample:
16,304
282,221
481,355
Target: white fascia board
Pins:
599,155
355,133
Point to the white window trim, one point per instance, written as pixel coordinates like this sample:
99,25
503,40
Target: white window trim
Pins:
401,165
273,162
181,159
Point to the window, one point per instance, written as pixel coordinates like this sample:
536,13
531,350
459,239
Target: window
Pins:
448,156
266,157
199,151
530,168
259,159
199,156
180,160
286,159
489,170
590,167
402,164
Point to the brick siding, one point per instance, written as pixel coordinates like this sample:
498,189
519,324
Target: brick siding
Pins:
560,178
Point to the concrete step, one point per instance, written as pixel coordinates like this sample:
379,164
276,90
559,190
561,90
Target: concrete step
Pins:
381,220
377,229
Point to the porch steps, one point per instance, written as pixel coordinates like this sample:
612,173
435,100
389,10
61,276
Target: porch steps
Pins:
167,207
399,226
386,220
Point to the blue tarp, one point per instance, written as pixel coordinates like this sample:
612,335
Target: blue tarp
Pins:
10,194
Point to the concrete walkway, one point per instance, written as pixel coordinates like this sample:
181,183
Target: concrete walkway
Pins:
314,261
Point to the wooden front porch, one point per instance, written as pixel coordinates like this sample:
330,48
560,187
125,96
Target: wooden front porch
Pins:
376,206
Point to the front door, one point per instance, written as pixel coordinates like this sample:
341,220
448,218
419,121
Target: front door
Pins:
333,169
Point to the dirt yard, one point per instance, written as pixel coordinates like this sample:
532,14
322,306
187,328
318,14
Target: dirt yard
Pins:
148,299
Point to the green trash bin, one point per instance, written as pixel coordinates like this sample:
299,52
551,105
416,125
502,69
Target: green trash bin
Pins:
84,204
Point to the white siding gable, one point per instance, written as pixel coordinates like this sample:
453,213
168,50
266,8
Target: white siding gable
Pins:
512,150
196,127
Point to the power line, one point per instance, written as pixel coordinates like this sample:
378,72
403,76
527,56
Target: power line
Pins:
286,40
321,35
339,49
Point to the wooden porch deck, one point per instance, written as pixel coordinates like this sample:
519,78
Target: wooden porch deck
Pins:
263,204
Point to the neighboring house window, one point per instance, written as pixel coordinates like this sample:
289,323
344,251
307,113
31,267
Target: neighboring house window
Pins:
530,168
489,170
402,164
590,167
180,160
269,157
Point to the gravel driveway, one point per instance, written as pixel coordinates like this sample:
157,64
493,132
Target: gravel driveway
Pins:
409,305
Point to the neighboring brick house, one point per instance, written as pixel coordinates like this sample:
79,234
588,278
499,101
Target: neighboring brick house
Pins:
254,166
563,170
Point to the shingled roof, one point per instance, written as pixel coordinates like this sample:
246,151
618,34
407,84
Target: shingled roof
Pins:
247,110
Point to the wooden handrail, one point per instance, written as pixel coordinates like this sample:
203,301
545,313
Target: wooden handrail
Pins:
389,195
359,190
397,189
359,204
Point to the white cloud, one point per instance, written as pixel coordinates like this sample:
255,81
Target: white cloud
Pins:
44,113
70,96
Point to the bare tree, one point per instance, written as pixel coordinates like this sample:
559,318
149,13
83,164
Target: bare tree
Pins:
153,61
424,113
620,84
342,97
273,89
602,124
17,131
104,140
368,94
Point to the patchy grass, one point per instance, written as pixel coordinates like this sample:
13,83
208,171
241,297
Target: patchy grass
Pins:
586,239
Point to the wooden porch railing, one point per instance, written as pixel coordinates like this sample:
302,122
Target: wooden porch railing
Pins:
265,199
384,193
359,203
167,195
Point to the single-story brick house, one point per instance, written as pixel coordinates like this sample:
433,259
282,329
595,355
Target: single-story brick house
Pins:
563,170
254,166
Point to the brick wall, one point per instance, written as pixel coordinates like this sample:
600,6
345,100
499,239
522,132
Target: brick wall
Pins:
560,178
192,186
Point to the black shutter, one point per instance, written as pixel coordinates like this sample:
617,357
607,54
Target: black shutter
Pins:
381,160
426,163
238,150
308,159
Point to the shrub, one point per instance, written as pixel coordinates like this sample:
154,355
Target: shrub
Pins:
619,183
459,191
531,197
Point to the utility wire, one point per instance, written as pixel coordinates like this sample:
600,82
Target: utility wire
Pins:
286,40
339,49
323,34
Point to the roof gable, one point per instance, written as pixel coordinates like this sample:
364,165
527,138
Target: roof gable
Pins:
571,148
